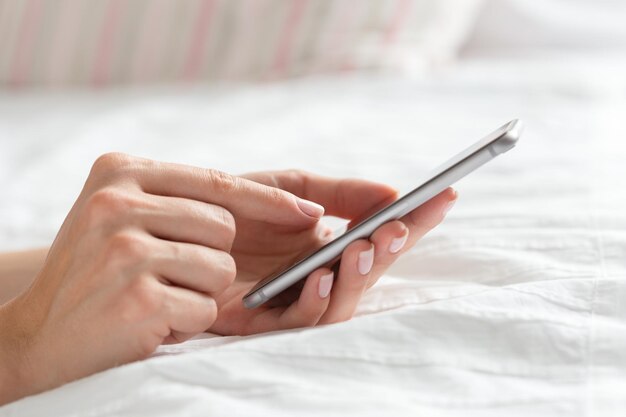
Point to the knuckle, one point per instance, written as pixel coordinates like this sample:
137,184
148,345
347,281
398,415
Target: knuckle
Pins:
145,296
229,268
111,162
113,204
141,300
145,347
297,174
127,245
209,314
221,181
227,220
108,200
224,271
274,194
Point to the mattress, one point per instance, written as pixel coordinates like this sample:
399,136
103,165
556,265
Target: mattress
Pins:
514,306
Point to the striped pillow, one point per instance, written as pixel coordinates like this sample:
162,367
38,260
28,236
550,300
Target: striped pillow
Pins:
103,42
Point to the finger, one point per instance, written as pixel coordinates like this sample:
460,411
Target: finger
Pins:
306,311
188,311
389,241
312,303
354,271
424,218
240,196
183,220
194,267
347,198
394,238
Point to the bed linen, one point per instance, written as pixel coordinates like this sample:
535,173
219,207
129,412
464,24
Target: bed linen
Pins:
513,307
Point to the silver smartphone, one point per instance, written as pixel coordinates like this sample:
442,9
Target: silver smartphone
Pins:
447,174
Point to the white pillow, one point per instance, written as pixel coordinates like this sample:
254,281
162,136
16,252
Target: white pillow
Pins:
523,26
103,42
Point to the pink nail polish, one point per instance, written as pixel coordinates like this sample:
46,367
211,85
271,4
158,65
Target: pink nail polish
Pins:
366,261
398,243
325,285
310,208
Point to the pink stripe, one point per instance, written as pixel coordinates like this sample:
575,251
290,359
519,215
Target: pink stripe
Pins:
240,55
23,52
63,42
102,62
199,40
151,41
337,40
397,22
352,22
283,51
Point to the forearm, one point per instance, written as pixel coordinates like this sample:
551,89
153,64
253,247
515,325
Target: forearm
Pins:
17,271
12,382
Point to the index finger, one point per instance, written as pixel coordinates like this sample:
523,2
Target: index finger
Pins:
348,198
240,196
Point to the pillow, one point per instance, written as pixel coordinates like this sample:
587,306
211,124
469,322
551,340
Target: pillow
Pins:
522,26
103,42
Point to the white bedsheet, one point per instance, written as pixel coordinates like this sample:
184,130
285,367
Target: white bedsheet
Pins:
514,307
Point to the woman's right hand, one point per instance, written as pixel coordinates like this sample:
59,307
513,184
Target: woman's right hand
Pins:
138,262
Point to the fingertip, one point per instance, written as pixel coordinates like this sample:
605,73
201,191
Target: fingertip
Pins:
394,228
397,238
430,214
357,247
354,272
319,282
325,283
452,195
366,260
385,191
361,254
313,300
310,208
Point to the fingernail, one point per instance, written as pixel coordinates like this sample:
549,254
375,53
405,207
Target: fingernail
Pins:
310,208
366,261
325,285
398,243
450,204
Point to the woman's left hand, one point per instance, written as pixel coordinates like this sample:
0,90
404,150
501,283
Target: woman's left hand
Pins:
262,248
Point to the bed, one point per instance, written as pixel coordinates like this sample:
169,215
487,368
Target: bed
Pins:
514,306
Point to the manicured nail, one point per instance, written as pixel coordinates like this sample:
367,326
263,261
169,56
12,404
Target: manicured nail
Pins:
398,243
310,208
450,204
366,261
325,285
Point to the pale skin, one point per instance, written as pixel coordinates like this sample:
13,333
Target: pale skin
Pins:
155,253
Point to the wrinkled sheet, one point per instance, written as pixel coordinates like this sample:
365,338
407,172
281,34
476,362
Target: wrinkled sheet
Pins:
513,307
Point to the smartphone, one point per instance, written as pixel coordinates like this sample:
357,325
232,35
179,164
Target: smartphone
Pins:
483,151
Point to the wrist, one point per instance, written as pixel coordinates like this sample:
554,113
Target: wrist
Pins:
18,270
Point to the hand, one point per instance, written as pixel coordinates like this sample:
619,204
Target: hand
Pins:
138,262
264,247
